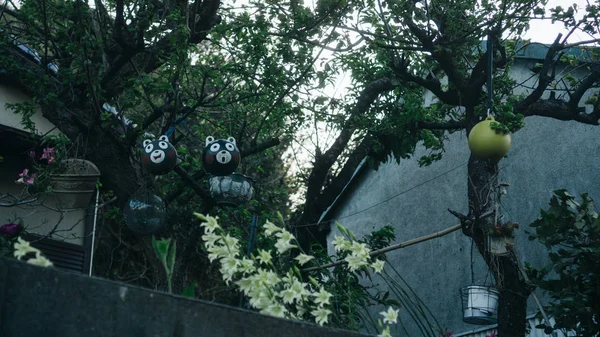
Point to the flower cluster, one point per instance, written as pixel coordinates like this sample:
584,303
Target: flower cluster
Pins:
25,178
270,292
22,248
506,229
358,254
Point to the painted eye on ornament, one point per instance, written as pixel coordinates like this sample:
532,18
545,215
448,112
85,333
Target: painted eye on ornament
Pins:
163,145
230,147
215,147
149,148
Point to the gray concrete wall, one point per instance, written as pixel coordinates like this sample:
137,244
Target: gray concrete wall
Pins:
546,155
37,301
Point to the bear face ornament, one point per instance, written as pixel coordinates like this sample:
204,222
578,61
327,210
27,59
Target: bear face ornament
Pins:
159,156
221,156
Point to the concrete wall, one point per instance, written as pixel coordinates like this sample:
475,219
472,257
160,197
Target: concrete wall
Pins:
37,301
546,155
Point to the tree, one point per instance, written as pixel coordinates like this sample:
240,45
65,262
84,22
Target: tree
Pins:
260,74
569,230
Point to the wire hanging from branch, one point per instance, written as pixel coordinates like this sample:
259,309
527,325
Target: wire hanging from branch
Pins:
490,72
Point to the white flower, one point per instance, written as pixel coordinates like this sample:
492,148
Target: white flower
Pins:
41,261
322,297
356,262
275,309
378,266
210,239
217,252
289,295
285,235
303,258
245,284
264,257
359,249
321,315
390,316
340,243
231,242
283,246
210,224
23,248
246,265
271,228
385,332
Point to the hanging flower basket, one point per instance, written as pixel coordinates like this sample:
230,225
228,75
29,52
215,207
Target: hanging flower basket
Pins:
232,190
499,245
500,238
480,304
75,185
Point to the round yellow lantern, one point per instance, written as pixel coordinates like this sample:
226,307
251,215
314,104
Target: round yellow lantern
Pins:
486,144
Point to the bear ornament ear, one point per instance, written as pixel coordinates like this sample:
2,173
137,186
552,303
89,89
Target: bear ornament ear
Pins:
209,140
164,138
146,142
232,140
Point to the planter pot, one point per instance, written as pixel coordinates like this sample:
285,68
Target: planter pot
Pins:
480,305
498,245
75,187
232,190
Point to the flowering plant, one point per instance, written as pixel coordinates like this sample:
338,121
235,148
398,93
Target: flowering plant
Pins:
54,148
506,229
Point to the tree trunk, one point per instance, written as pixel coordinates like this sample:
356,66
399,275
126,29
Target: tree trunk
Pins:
483,192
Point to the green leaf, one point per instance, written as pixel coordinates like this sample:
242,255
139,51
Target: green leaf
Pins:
190,291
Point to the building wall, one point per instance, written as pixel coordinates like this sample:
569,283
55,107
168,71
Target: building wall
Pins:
546,155
42,216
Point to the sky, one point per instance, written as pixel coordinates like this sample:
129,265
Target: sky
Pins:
545,32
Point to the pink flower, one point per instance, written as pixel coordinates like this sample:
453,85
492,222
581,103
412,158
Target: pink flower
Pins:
24,173
48,154
30,180
24,178
32,154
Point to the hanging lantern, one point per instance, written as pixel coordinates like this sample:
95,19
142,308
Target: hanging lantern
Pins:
485,143
159,156
145,212
231,190
220,156
480,304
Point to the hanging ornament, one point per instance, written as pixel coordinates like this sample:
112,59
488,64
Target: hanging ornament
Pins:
487,143
145,212
221,156
159,156
232,190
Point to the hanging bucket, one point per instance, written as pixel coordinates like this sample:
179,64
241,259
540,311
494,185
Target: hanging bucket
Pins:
480,304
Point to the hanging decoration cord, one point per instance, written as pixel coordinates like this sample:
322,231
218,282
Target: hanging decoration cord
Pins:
490,53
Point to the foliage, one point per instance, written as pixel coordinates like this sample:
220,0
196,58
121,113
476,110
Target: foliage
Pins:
166,250
570,230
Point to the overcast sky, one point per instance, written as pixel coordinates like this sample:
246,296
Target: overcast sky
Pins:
544,31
